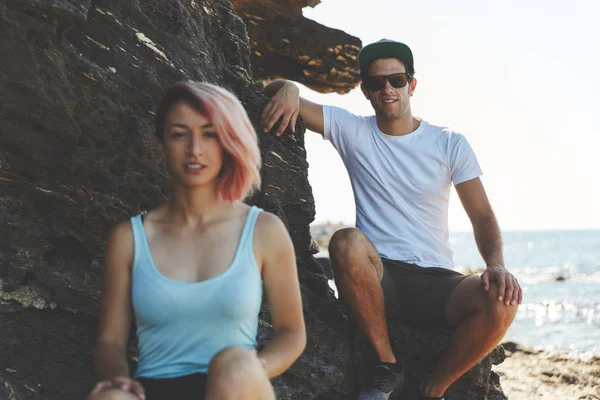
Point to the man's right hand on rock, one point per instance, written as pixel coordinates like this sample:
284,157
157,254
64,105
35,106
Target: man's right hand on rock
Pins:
284,106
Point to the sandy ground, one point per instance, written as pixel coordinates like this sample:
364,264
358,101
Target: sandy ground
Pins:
531,374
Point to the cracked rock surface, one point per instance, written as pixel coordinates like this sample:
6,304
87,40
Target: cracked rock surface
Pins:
79,83
284,44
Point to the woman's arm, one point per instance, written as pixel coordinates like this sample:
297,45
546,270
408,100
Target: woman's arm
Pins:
114,320
280,278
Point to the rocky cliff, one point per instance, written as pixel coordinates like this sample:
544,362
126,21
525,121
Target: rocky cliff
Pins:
79,82
284,44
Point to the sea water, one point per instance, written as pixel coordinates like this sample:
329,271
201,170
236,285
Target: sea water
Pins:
559,272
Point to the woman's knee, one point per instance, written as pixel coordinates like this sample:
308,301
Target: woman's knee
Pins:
239,366
113,394
235,363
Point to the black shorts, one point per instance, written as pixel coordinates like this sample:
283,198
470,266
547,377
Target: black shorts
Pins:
418,295
188,387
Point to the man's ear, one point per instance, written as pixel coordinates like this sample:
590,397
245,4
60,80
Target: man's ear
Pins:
413,86
365,91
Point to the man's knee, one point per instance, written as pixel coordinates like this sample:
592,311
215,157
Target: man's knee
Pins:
470,298
501,315
350,251
234,364
345,241
113,394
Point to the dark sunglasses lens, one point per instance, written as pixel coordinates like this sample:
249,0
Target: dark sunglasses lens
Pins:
375,83
397,81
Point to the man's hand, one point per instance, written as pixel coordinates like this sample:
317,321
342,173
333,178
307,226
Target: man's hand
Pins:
123,383
509,289
284,105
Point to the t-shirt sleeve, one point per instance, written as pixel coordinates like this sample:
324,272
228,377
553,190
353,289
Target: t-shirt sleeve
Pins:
463,162
341,128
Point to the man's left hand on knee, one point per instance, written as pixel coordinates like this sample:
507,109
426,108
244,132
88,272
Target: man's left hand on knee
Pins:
509,289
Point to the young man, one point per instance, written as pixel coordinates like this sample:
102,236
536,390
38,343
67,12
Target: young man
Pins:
397,262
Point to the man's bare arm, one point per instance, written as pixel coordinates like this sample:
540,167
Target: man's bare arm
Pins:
485,225
489,240
286,104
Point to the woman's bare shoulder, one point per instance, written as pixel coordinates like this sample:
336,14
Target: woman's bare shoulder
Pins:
119,249
270,229
123,230
267,220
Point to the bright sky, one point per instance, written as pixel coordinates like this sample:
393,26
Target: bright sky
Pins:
520,79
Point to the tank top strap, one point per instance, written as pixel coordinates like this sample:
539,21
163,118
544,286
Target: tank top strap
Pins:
138,236
248,231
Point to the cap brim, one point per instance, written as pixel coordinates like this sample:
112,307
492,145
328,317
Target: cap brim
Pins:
390,49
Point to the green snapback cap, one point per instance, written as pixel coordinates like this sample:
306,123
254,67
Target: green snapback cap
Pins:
384,48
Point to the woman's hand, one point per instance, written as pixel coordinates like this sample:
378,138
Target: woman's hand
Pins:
123,383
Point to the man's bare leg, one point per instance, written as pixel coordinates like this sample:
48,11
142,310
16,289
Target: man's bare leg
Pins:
481,321
358,271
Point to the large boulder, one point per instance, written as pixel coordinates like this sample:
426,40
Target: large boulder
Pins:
419,350
79,83
284,44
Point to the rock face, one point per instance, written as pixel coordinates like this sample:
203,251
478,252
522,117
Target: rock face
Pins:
79,83
284,44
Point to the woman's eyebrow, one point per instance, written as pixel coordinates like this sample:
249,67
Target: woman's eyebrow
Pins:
179,125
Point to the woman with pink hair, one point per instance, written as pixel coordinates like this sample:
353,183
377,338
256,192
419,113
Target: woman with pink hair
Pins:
191,272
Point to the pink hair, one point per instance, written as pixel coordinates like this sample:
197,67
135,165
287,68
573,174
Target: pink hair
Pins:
240,174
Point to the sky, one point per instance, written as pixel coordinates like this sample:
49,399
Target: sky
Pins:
520,79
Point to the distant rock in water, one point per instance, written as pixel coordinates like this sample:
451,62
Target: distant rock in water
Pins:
80,84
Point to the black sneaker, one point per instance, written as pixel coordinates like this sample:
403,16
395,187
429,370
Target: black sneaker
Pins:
387,378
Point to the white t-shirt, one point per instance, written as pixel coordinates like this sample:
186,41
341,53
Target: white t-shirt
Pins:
402,184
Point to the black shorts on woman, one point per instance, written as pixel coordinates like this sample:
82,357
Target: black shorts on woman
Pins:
188,387
417,295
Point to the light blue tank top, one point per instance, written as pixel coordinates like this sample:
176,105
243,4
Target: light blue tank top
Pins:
182,325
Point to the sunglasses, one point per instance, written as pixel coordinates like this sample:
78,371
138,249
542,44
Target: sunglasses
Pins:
376,83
